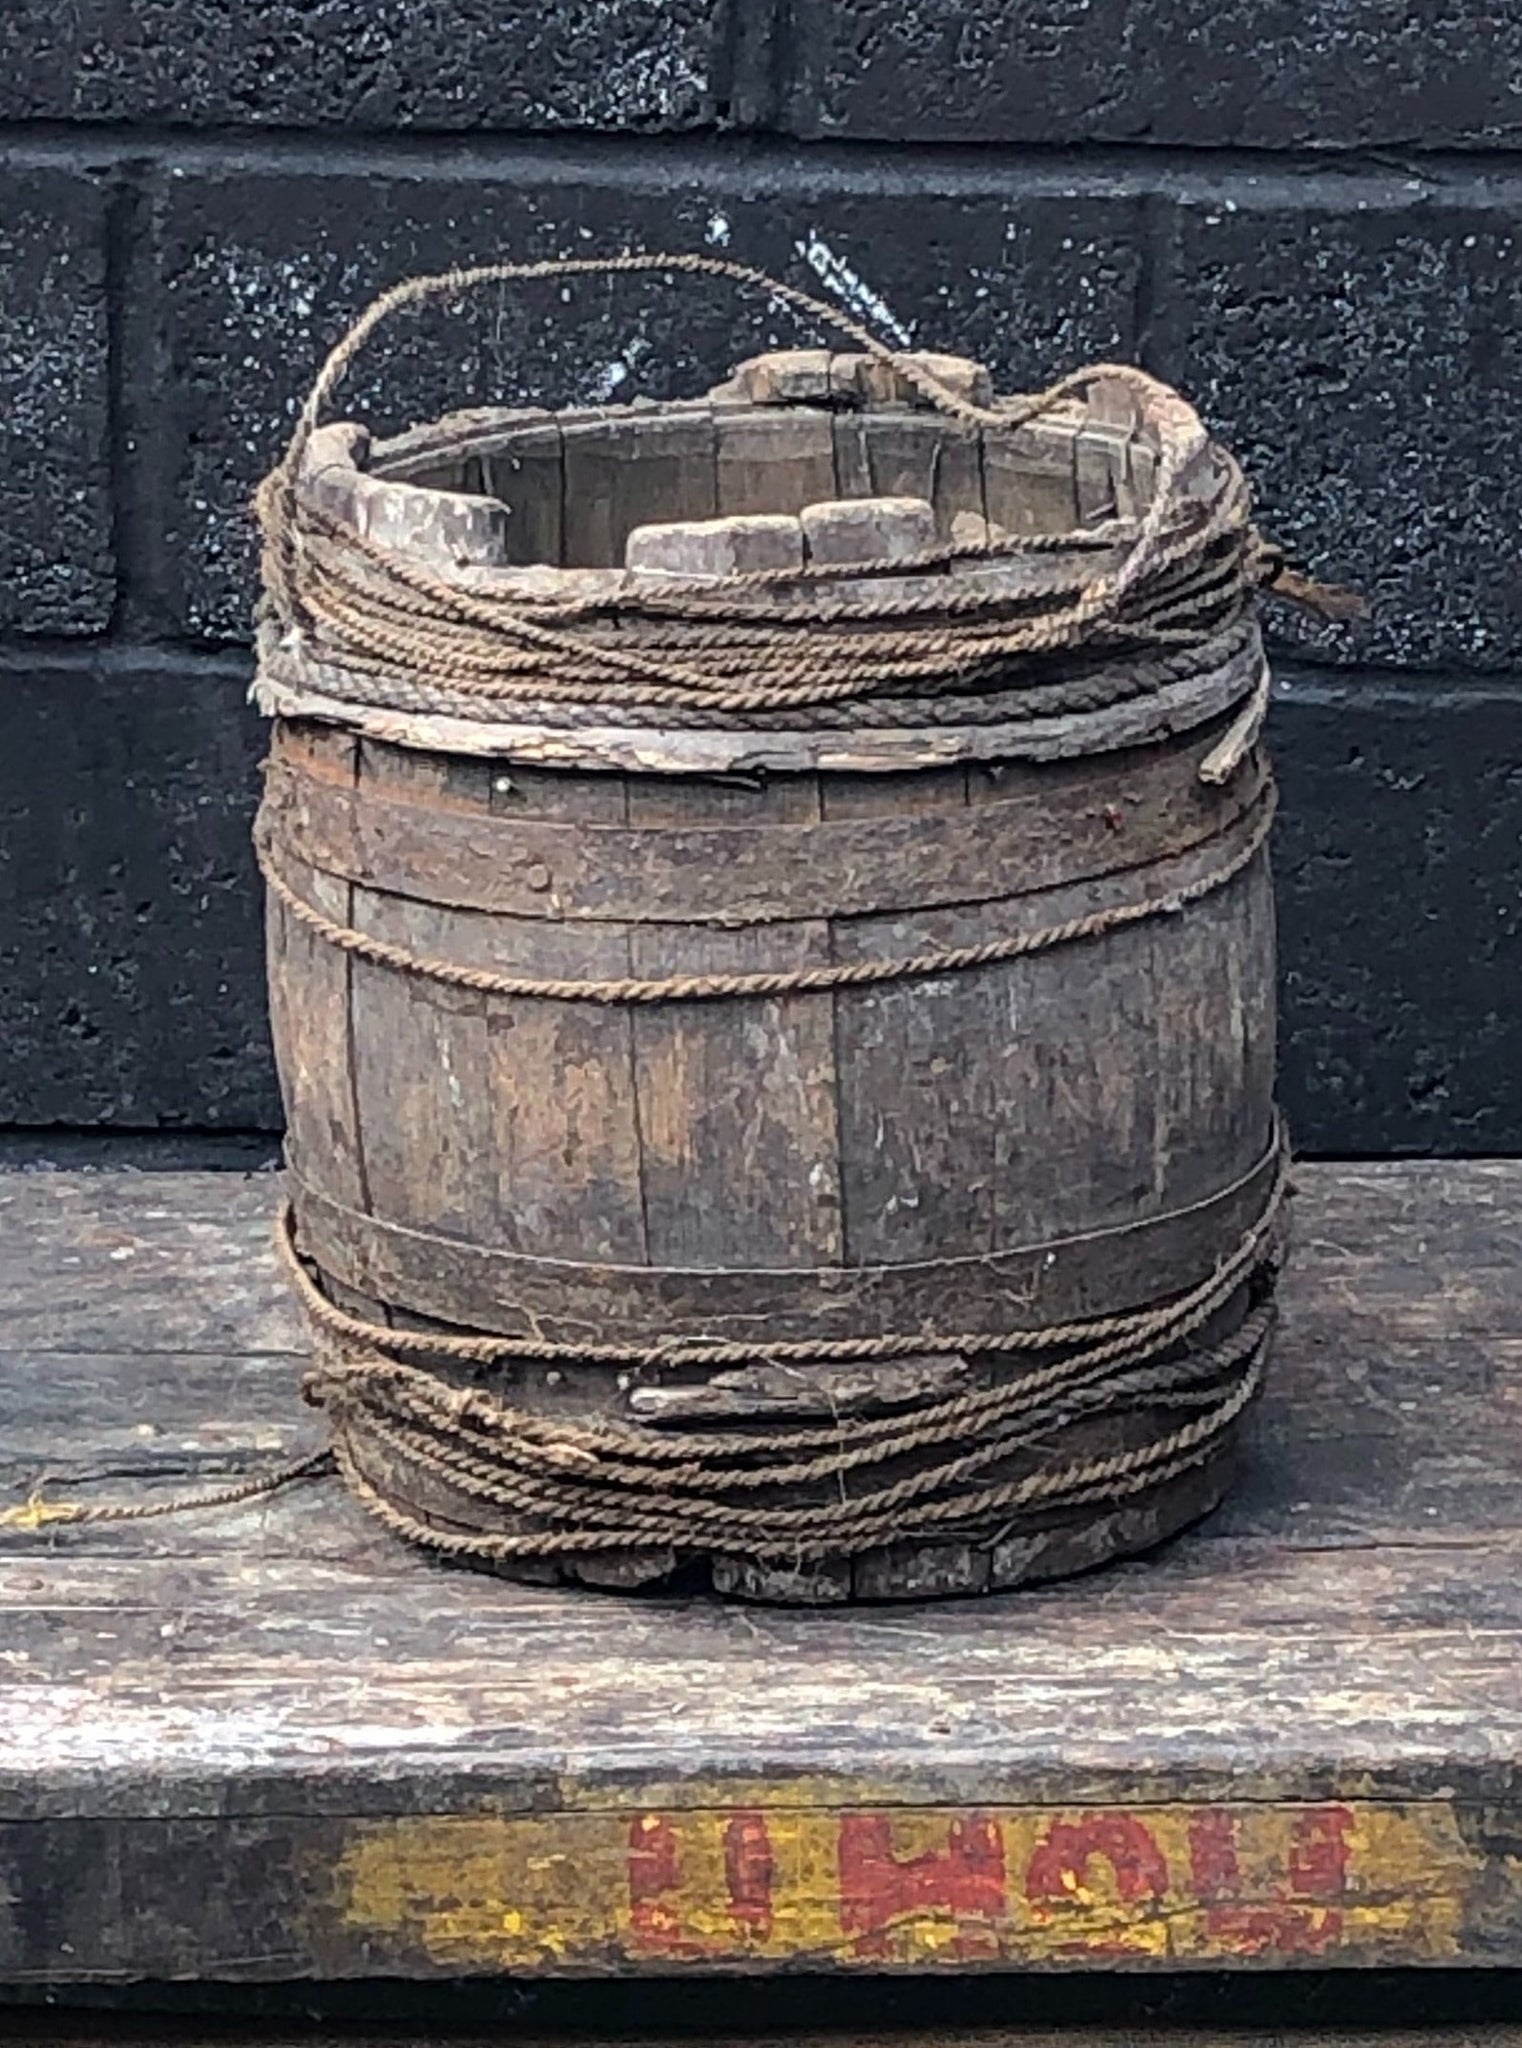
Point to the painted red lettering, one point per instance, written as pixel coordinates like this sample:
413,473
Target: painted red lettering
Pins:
1061,1860
1318,1857
749,1871
1303,1917
964,1880
653,1867
1059,1868
1213,1866
657,1909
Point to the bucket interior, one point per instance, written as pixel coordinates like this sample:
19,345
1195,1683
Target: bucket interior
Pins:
577,485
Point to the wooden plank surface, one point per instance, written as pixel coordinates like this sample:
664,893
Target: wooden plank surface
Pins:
271,1743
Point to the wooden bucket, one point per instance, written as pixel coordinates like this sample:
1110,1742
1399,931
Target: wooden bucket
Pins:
1057,1135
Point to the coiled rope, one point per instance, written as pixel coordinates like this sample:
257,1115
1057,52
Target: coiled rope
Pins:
572,1487
1175,579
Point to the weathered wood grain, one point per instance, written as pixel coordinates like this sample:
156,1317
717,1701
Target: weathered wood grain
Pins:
802,1391
1020,828
1174,708
880,455
516,1162
117,1264
526,475
813,376
452,1280
773,462
1020,1100
882,383
1217,985
1030,482
447,528
737,1114
310,991
419,1060
738,546
271,1743
1421,1648
625,473
566,1158
867,529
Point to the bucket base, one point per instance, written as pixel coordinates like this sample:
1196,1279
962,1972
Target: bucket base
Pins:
933,1569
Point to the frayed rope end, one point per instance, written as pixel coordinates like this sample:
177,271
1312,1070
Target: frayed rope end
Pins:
1327,600
38,1513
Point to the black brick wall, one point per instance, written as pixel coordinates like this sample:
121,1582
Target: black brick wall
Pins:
1314,74
1307,216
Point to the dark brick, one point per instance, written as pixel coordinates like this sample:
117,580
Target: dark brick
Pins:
375,64
1361,350
56,570
1275,73
260,272
130,951
1399,864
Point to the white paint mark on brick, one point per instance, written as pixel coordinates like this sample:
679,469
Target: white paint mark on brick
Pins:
837,276
607,383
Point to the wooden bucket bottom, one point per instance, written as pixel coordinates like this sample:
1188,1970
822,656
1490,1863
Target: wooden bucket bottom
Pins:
978,1564
1050,1545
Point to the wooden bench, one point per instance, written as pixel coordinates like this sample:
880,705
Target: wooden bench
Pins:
268,1743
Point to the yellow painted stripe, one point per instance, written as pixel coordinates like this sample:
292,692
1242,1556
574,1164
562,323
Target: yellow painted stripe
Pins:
867,1887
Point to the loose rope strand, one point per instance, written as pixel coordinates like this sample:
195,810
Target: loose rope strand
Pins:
39,1513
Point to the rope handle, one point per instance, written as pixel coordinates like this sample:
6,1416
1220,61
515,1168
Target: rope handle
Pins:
1179,446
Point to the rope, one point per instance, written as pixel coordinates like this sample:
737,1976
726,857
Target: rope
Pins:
569,1487
783,982
813,1530
1188,1311
1187,569
37,1513
1242,735
1046,693
576,1488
